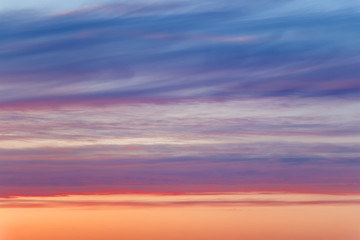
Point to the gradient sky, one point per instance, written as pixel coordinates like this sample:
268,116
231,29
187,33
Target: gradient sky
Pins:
179,117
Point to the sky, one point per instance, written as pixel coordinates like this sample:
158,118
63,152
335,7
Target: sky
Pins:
179,98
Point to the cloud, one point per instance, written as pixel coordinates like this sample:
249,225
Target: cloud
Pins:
188,200
215,173
122,53
183,95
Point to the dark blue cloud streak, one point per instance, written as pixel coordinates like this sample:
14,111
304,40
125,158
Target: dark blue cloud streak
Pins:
224,54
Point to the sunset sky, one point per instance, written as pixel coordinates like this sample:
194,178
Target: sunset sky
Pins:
211,114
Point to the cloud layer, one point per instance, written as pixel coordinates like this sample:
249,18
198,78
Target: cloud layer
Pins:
174,51
179,97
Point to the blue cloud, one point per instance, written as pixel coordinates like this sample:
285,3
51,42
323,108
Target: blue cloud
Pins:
232,50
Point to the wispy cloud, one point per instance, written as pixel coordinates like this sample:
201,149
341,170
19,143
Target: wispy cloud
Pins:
118,53
205,95
181,200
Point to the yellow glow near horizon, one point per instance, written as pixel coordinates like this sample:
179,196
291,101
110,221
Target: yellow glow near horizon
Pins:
230,222
231,197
